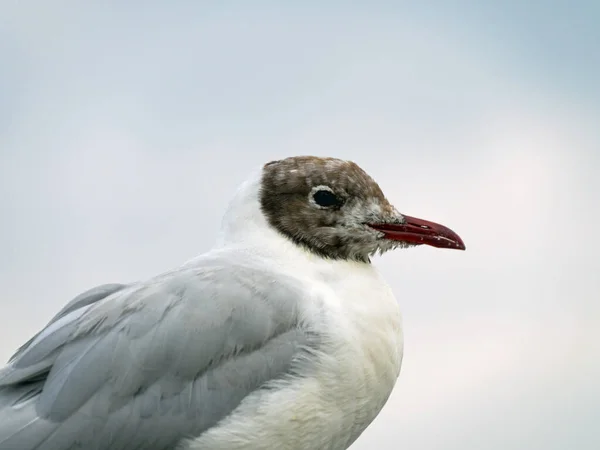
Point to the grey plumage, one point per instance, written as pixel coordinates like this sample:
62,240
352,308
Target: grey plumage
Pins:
143,365
282,336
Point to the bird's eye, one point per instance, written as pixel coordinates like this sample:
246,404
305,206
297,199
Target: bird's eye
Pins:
326,199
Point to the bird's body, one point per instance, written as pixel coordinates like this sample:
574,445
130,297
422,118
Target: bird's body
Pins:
343,383
261,343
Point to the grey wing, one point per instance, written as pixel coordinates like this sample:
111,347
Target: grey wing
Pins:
81,303
151,364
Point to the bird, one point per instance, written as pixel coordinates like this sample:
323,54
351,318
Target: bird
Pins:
283,335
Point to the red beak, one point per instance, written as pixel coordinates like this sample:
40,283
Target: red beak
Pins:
418,231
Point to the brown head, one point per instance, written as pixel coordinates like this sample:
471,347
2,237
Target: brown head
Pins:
335,209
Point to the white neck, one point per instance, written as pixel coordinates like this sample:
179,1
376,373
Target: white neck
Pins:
244,226
245,229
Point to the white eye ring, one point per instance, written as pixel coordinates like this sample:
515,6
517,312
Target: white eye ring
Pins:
334,199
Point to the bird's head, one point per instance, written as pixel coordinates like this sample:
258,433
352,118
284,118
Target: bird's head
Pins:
334,208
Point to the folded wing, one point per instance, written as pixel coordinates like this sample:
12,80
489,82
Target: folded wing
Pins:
148,364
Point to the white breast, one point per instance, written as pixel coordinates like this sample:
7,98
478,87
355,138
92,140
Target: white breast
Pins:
363,367
356,373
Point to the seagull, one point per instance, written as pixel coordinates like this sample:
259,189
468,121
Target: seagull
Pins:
283,336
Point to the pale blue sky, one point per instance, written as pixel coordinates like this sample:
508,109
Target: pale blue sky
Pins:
124,130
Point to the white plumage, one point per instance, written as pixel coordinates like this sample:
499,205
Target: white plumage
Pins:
282,336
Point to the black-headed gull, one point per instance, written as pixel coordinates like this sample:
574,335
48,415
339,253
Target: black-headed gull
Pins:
283,336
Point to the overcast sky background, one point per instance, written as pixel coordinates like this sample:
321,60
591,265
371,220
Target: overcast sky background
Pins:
125,127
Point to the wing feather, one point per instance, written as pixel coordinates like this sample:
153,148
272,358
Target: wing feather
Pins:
148,364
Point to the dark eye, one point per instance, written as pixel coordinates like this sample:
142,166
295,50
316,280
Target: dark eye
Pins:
326,199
